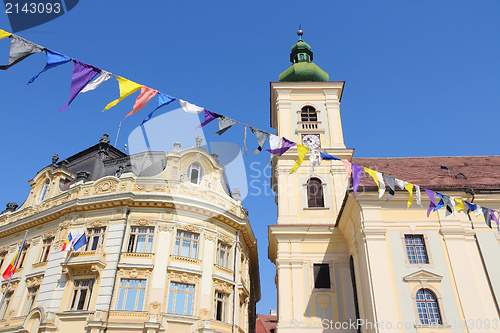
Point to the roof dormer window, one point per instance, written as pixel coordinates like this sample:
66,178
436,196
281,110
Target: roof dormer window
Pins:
43,191
195,174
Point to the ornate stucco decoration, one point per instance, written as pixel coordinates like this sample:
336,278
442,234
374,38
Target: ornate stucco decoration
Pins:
225,239
142,222
194,191
166,228
183,277
49,234
209,237
34,281
149,187
105,187
223,286
97,224
188,227
135,272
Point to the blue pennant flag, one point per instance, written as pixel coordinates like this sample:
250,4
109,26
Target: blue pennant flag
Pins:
163,100
54,59
326,156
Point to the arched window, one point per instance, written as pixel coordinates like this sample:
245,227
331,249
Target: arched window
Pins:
427,306
195,174
44,191
308,113
315,193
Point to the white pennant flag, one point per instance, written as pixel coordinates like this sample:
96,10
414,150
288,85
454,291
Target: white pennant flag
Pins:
418,196
190,108
381,186
105,76
400,183
479,211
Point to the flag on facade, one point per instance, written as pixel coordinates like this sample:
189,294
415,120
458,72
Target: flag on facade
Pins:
20,49
68,242
80,241
54,59
11,269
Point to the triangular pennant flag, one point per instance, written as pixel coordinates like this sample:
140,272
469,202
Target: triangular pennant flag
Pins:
105,76
315,160
449,207
409,188
261,139
20,49
472,207
453,206
357,172
381,188
82,74
326,156
225,123
432,205
372,173
301,151
209,116
4,34
285,145
460,205
440,203
163,100
479,210
348,168
493,216
126,87
190,108
54,59
418,195
487,216
144,97
400,183
390,182
274,142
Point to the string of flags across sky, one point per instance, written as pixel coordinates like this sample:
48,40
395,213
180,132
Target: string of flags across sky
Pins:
84,80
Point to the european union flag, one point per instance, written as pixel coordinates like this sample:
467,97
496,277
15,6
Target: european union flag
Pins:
81,241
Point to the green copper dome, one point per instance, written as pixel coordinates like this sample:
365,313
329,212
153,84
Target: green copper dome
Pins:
302,68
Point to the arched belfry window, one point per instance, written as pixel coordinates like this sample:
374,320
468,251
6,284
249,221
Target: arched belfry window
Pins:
43,191
308,113
315,193
427,306
195,174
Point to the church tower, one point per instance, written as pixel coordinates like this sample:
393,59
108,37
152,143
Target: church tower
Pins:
313,276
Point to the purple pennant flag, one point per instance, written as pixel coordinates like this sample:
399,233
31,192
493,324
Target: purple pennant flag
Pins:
432,205
285,145
357,172
493,216
82,74
209,116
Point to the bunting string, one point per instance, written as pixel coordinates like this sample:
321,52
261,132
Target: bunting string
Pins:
84,80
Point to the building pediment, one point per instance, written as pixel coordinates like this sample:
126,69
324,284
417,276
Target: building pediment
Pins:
423,275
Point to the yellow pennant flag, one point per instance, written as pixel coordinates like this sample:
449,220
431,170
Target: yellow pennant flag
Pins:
372,173
127,87
4,34
409,188
301,151
460,204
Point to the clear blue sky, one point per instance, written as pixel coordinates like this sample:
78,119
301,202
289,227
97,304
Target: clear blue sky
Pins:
422,79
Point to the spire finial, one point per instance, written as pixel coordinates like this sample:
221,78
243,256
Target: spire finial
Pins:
300,32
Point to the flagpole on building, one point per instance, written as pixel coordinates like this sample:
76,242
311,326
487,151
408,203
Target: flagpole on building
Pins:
15,265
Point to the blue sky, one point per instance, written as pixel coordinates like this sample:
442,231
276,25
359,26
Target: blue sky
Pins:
421,79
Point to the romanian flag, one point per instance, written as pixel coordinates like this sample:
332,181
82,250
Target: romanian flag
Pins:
67,242
11,269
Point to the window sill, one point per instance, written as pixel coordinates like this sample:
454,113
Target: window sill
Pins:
316,208
40,264
186,260
137,255
431,326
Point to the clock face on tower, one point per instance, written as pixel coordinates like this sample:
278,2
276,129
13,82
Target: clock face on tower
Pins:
311,140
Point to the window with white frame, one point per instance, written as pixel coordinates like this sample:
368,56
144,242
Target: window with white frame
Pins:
415,249
322,276
43,191
5,305
95,238
30,300
141,240
427,307
44,254
131,295
223,252
221,306
186,244
181,298
195,174
82,293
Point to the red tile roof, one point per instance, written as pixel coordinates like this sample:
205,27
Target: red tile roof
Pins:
265,323
481,172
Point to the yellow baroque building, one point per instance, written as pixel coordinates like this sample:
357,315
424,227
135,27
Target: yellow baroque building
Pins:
347,263
169,248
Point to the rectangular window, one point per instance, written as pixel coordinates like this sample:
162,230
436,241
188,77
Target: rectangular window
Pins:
321,276
223,254
5,305
82,294
221,306
3,255
131,295
181,299
23,256
186,244
95,238
141,240
44,255
415,249
30,300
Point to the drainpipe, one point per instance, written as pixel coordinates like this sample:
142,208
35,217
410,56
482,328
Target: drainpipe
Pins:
235,280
